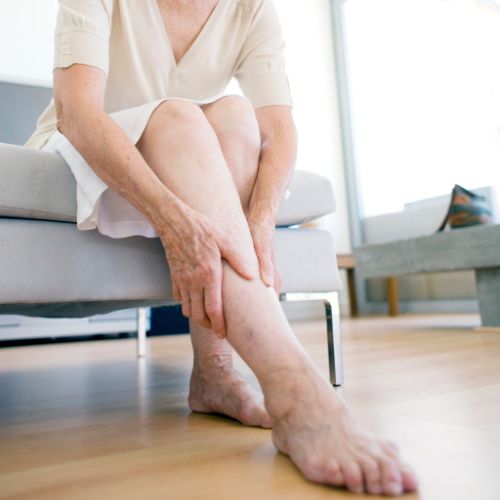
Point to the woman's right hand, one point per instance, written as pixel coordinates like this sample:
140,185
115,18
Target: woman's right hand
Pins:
194,248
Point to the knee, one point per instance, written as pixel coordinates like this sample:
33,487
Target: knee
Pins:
185,115
234,116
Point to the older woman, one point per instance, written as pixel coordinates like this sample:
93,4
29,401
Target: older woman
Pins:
156,151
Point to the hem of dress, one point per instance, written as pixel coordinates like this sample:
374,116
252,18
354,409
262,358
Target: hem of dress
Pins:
89,214
121,229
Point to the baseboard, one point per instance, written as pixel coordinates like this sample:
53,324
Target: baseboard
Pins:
425,306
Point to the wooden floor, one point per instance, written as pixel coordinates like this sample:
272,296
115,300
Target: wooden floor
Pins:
87,421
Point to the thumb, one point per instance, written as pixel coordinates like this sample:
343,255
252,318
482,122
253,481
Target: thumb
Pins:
236,259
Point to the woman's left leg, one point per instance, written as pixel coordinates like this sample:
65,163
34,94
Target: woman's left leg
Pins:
215,385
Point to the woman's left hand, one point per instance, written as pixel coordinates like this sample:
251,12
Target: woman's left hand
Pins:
263,235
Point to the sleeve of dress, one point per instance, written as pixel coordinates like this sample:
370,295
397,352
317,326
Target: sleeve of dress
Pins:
260,69
82,33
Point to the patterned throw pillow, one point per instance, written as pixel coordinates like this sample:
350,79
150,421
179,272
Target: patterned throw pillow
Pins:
466,209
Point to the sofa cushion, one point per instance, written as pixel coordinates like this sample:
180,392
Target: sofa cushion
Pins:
60,272
39,185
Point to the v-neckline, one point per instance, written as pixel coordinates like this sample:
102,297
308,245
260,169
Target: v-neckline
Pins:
196,40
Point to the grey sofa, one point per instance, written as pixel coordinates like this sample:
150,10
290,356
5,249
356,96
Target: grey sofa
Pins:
48,268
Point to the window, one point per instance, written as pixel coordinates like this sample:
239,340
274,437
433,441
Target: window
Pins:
27,41
424,82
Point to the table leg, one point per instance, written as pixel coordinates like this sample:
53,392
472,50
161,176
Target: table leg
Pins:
393,296
488,293
351,284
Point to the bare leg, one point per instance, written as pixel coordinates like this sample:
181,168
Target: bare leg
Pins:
311,423
215,385
235,124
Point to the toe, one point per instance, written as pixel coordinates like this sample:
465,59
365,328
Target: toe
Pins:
372,476
264,419
391,476
410,482
353,477
408,476
312,468
390,448
333,473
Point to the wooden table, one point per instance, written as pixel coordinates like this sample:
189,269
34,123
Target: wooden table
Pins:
475,248
347,261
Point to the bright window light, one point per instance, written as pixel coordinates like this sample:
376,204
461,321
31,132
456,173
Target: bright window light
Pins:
27,41
425,97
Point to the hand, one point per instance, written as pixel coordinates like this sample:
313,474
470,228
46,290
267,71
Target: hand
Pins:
194,248
263,235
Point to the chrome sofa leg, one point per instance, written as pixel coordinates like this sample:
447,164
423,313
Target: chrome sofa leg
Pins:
331,303
141,332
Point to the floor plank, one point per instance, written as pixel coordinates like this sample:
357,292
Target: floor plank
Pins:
87,420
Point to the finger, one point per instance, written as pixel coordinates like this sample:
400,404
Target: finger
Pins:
186,303
236,259
175,290
277,277
198,309
266,267
213,305
277,282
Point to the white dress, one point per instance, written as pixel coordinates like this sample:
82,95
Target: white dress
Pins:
128,41
98,206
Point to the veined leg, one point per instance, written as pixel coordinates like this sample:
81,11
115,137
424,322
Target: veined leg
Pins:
311,423
215,385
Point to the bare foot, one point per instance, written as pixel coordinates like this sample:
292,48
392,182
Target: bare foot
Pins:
216,387
313,425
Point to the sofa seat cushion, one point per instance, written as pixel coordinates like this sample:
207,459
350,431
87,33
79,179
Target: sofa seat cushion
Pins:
58,271
39,185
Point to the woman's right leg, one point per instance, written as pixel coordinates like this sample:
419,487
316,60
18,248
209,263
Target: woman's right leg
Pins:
311,423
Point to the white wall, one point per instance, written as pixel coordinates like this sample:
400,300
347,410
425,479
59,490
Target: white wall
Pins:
311,69
27,40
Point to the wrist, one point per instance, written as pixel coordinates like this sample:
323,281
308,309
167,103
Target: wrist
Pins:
168,214
263,214
264,219
261,224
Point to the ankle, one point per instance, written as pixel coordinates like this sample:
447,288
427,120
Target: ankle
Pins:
213,361
284,389
290,375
